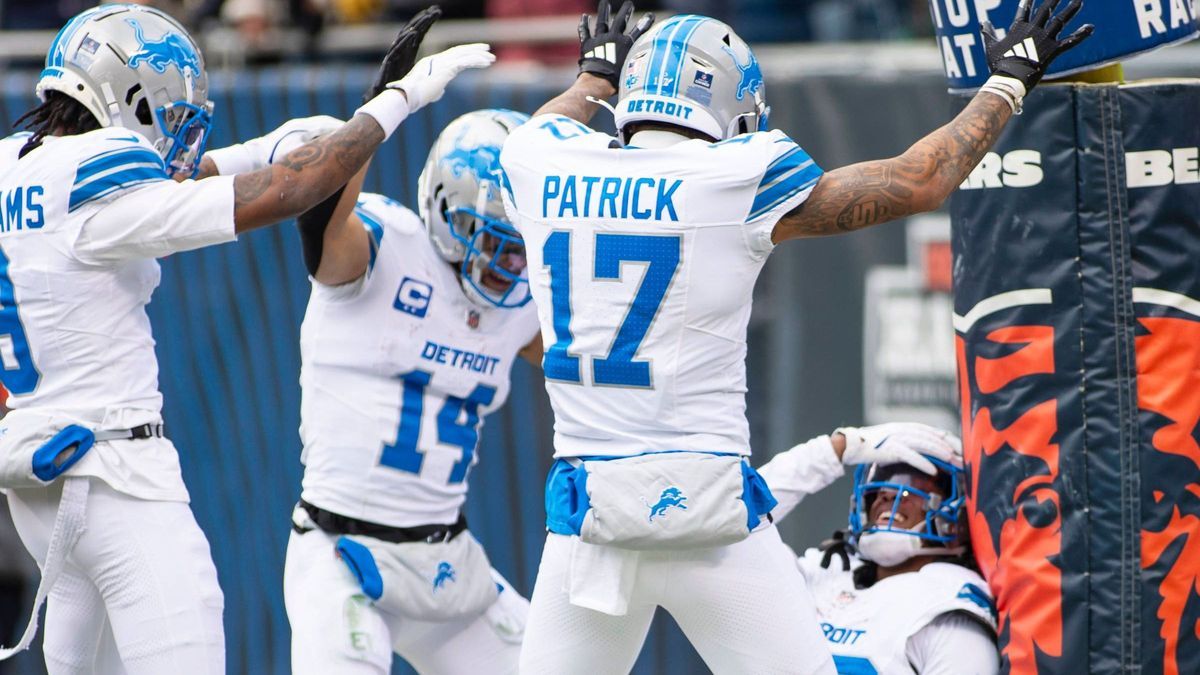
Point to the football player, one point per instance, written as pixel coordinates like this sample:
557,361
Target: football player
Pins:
408,342
100,188
643,253
902,595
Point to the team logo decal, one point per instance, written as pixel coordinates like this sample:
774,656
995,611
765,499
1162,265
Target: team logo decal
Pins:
752,79
172,49
671,496
445,573
482,161
413,297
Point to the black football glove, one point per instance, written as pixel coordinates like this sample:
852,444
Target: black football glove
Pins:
602,50
403,52
1032,44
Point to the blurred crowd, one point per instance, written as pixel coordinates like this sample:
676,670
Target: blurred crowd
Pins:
756,20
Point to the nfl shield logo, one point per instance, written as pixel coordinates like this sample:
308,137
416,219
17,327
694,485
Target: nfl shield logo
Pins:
704,79
473,319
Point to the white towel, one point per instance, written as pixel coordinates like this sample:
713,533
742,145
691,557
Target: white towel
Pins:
600,578
68,525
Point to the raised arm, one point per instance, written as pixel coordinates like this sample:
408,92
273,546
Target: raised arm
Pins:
602,52
309,174
869,193
306,176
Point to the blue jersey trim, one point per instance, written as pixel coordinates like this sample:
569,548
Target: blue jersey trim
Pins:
375,229
113,182
125,158
787,176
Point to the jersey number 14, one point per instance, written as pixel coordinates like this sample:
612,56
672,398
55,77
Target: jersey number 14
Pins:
405,454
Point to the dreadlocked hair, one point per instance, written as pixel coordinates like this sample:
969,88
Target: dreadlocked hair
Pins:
58,114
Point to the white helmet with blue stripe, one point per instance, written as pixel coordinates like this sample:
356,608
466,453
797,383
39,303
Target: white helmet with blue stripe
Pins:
460,201
695,72
137,68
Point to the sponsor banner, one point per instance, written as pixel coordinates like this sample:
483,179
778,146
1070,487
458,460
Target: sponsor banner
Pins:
1123,28
1077,315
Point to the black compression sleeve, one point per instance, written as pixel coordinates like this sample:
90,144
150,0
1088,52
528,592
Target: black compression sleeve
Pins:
312,224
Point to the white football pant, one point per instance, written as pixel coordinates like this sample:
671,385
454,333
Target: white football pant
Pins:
336,629
744,607
138,593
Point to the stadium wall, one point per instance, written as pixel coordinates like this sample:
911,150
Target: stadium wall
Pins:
227,323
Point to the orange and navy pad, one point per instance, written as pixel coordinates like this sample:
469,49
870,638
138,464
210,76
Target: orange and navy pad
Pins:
1077,313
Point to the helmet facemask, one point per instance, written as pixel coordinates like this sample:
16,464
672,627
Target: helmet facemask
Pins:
940,528
494,267
184,128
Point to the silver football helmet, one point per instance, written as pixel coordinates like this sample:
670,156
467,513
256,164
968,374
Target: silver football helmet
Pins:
135,67
461,204
694,72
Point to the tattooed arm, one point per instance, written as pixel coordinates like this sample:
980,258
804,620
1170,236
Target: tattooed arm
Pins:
574,102
306,176
869,193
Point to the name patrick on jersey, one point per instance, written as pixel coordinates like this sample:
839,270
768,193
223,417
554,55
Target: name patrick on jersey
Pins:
460,358
639,198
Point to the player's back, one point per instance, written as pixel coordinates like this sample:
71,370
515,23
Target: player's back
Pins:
643,264
399,370
73,329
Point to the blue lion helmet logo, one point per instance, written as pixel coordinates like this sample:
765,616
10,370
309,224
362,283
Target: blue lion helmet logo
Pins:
445,573
671,496
483,162
752,78
172,49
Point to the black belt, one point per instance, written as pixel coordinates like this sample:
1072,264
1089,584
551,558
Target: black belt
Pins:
332,523
140,432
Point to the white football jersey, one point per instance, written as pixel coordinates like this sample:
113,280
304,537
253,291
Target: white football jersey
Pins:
868,629
399,370
642,264
81,220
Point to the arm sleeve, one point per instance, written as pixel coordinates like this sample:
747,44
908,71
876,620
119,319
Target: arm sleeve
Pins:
801,471
788,179
157,218
953,644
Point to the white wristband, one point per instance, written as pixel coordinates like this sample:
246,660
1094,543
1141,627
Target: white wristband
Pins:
389,109
1010,89
233,160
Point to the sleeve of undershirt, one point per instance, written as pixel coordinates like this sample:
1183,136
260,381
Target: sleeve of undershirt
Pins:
953,644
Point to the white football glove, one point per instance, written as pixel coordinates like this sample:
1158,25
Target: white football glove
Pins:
428,79
901,442
260,152
424,84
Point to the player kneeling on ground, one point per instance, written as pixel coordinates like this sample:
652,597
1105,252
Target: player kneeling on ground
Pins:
103,178
901,595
